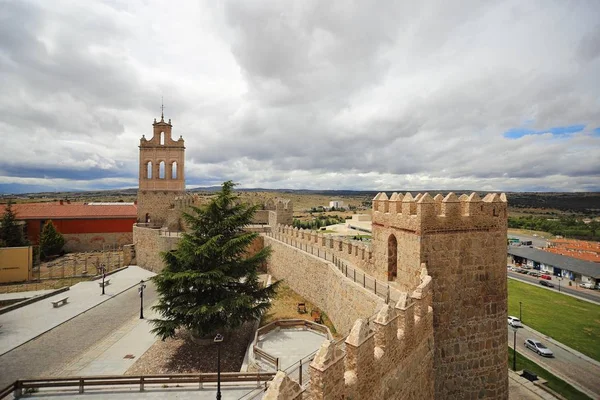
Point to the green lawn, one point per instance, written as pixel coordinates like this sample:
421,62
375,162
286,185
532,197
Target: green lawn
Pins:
554,383
573,322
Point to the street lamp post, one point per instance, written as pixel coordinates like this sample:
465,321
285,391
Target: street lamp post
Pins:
514,348
103,269
218,340
559,279
141,291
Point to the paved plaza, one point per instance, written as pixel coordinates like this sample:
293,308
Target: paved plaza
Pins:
25,323
290,345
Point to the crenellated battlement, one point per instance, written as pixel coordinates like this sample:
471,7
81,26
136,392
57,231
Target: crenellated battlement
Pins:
423,213
357,253
279,204
182,203
379,355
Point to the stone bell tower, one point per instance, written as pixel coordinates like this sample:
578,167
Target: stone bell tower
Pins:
161,173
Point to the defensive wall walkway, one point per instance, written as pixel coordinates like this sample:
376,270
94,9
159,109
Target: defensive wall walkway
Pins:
381,288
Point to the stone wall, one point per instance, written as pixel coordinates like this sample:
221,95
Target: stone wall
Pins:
149,243
261,217
463,242
80,242
321,283
389,358
157,205
470,311
354,252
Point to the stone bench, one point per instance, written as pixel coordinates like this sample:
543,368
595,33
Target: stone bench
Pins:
60,302
106,282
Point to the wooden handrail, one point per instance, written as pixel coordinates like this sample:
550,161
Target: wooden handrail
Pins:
80,382
267,356
8,390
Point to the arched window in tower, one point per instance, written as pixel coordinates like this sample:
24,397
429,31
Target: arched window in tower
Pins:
162,138
149,170
174,170
392,258
161,170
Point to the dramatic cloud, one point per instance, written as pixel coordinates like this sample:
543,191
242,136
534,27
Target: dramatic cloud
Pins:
305,94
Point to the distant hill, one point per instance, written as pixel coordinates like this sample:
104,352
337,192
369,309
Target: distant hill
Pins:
579,202
18,188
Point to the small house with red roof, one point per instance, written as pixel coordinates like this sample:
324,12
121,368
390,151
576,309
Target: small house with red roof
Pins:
85,226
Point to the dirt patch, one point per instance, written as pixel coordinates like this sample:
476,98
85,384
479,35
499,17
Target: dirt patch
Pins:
77,264
285,306
182,355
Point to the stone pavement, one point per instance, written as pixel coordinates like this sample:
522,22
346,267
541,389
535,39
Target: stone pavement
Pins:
117,352
26,323
290,345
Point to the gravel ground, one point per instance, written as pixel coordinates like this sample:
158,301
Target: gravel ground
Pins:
182,355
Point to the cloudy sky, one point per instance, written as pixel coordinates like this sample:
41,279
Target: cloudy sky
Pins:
304,94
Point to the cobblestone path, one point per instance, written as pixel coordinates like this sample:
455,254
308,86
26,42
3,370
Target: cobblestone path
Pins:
56,349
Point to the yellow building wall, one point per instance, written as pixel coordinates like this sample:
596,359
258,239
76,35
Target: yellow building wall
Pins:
15,264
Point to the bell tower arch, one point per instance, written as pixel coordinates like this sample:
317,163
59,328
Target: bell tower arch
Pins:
161,173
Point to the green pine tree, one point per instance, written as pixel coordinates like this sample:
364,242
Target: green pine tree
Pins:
11,234
51,241
210,283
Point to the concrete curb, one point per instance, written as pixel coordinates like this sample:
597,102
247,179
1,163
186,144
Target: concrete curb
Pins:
32,300
563,346
76,315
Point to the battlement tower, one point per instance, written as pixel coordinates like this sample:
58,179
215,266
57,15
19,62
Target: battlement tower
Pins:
462,240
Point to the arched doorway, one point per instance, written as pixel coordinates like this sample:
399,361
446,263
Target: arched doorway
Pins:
392,258
147,217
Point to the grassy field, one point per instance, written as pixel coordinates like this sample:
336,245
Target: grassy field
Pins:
554,383
573,322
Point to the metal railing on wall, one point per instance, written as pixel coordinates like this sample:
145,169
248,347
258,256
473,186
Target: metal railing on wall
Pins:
357,275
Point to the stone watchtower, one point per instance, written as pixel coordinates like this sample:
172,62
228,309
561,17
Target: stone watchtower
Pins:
161,174
462,241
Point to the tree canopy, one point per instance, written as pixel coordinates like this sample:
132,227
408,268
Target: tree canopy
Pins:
11,234
51,241
210,281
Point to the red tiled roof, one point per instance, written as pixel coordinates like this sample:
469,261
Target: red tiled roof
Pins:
582,255
55,210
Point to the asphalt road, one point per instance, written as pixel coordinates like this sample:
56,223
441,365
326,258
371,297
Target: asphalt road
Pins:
65,343
588,294
567,366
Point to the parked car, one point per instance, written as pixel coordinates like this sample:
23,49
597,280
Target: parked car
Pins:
548,277
534,273
587,285
522,271
546,283
538,347
514,322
